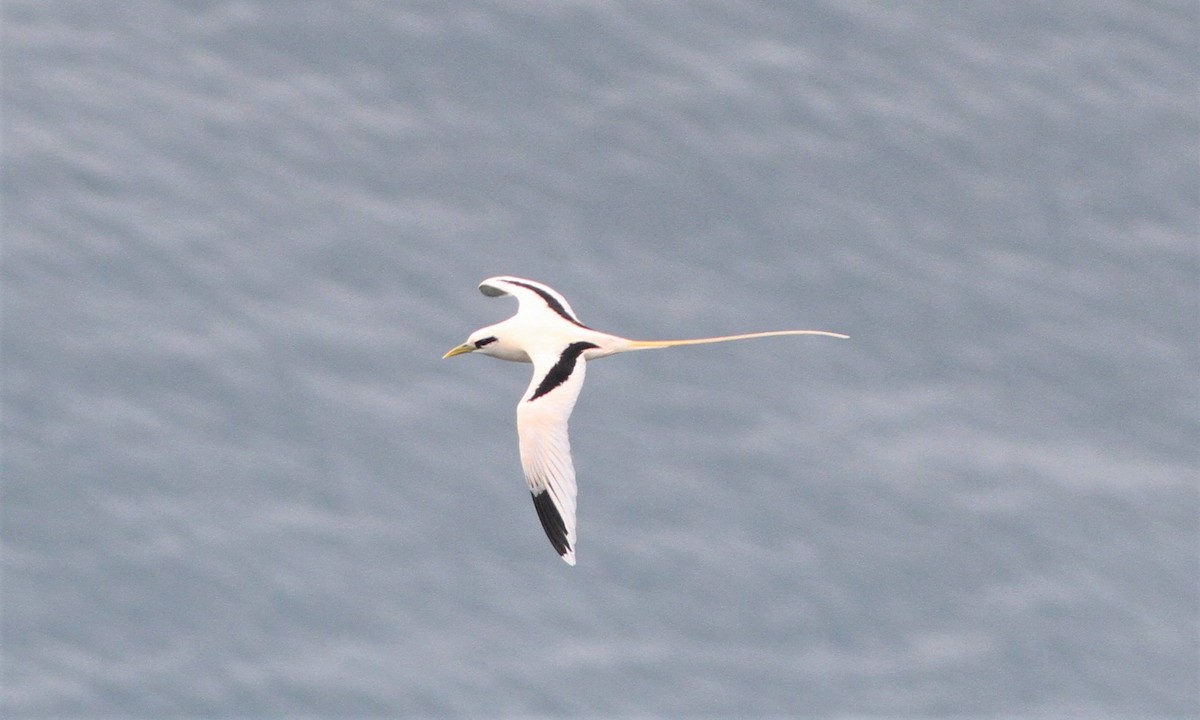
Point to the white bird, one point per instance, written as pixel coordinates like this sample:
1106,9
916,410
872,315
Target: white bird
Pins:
546,332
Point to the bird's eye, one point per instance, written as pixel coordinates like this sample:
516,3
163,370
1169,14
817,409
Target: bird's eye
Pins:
484,341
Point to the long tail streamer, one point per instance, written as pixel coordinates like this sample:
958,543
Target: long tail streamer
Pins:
651,344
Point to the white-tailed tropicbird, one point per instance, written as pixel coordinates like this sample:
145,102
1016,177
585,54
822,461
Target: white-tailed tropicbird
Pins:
546,332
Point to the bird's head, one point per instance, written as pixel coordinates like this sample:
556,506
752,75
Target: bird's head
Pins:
477,342
501,341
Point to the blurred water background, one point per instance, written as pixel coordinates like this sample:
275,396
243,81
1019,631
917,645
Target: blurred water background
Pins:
238,481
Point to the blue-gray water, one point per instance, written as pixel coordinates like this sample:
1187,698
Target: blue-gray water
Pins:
238,481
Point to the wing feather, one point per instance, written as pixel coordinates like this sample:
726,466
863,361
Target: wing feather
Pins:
532,296
542,417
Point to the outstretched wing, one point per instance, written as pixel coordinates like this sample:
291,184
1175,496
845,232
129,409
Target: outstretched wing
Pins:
532,296
542,417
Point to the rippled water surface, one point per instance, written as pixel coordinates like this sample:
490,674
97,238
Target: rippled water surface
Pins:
238,481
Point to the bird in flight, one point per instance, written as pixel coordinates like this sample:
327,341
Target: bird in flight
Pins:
545,331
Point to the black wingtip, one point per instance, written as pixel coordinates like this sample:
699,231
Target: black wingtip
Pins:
490,290
552,522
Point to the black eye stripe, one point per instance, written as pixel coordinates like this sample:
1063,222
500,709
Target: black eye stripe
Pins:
484,341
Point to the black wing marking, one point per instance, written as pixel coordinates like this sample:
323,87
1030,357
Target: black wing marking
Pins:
562,369
552,302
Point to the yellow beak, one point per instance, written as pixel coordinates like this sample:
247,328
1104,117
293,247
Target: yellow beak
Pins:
461,349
